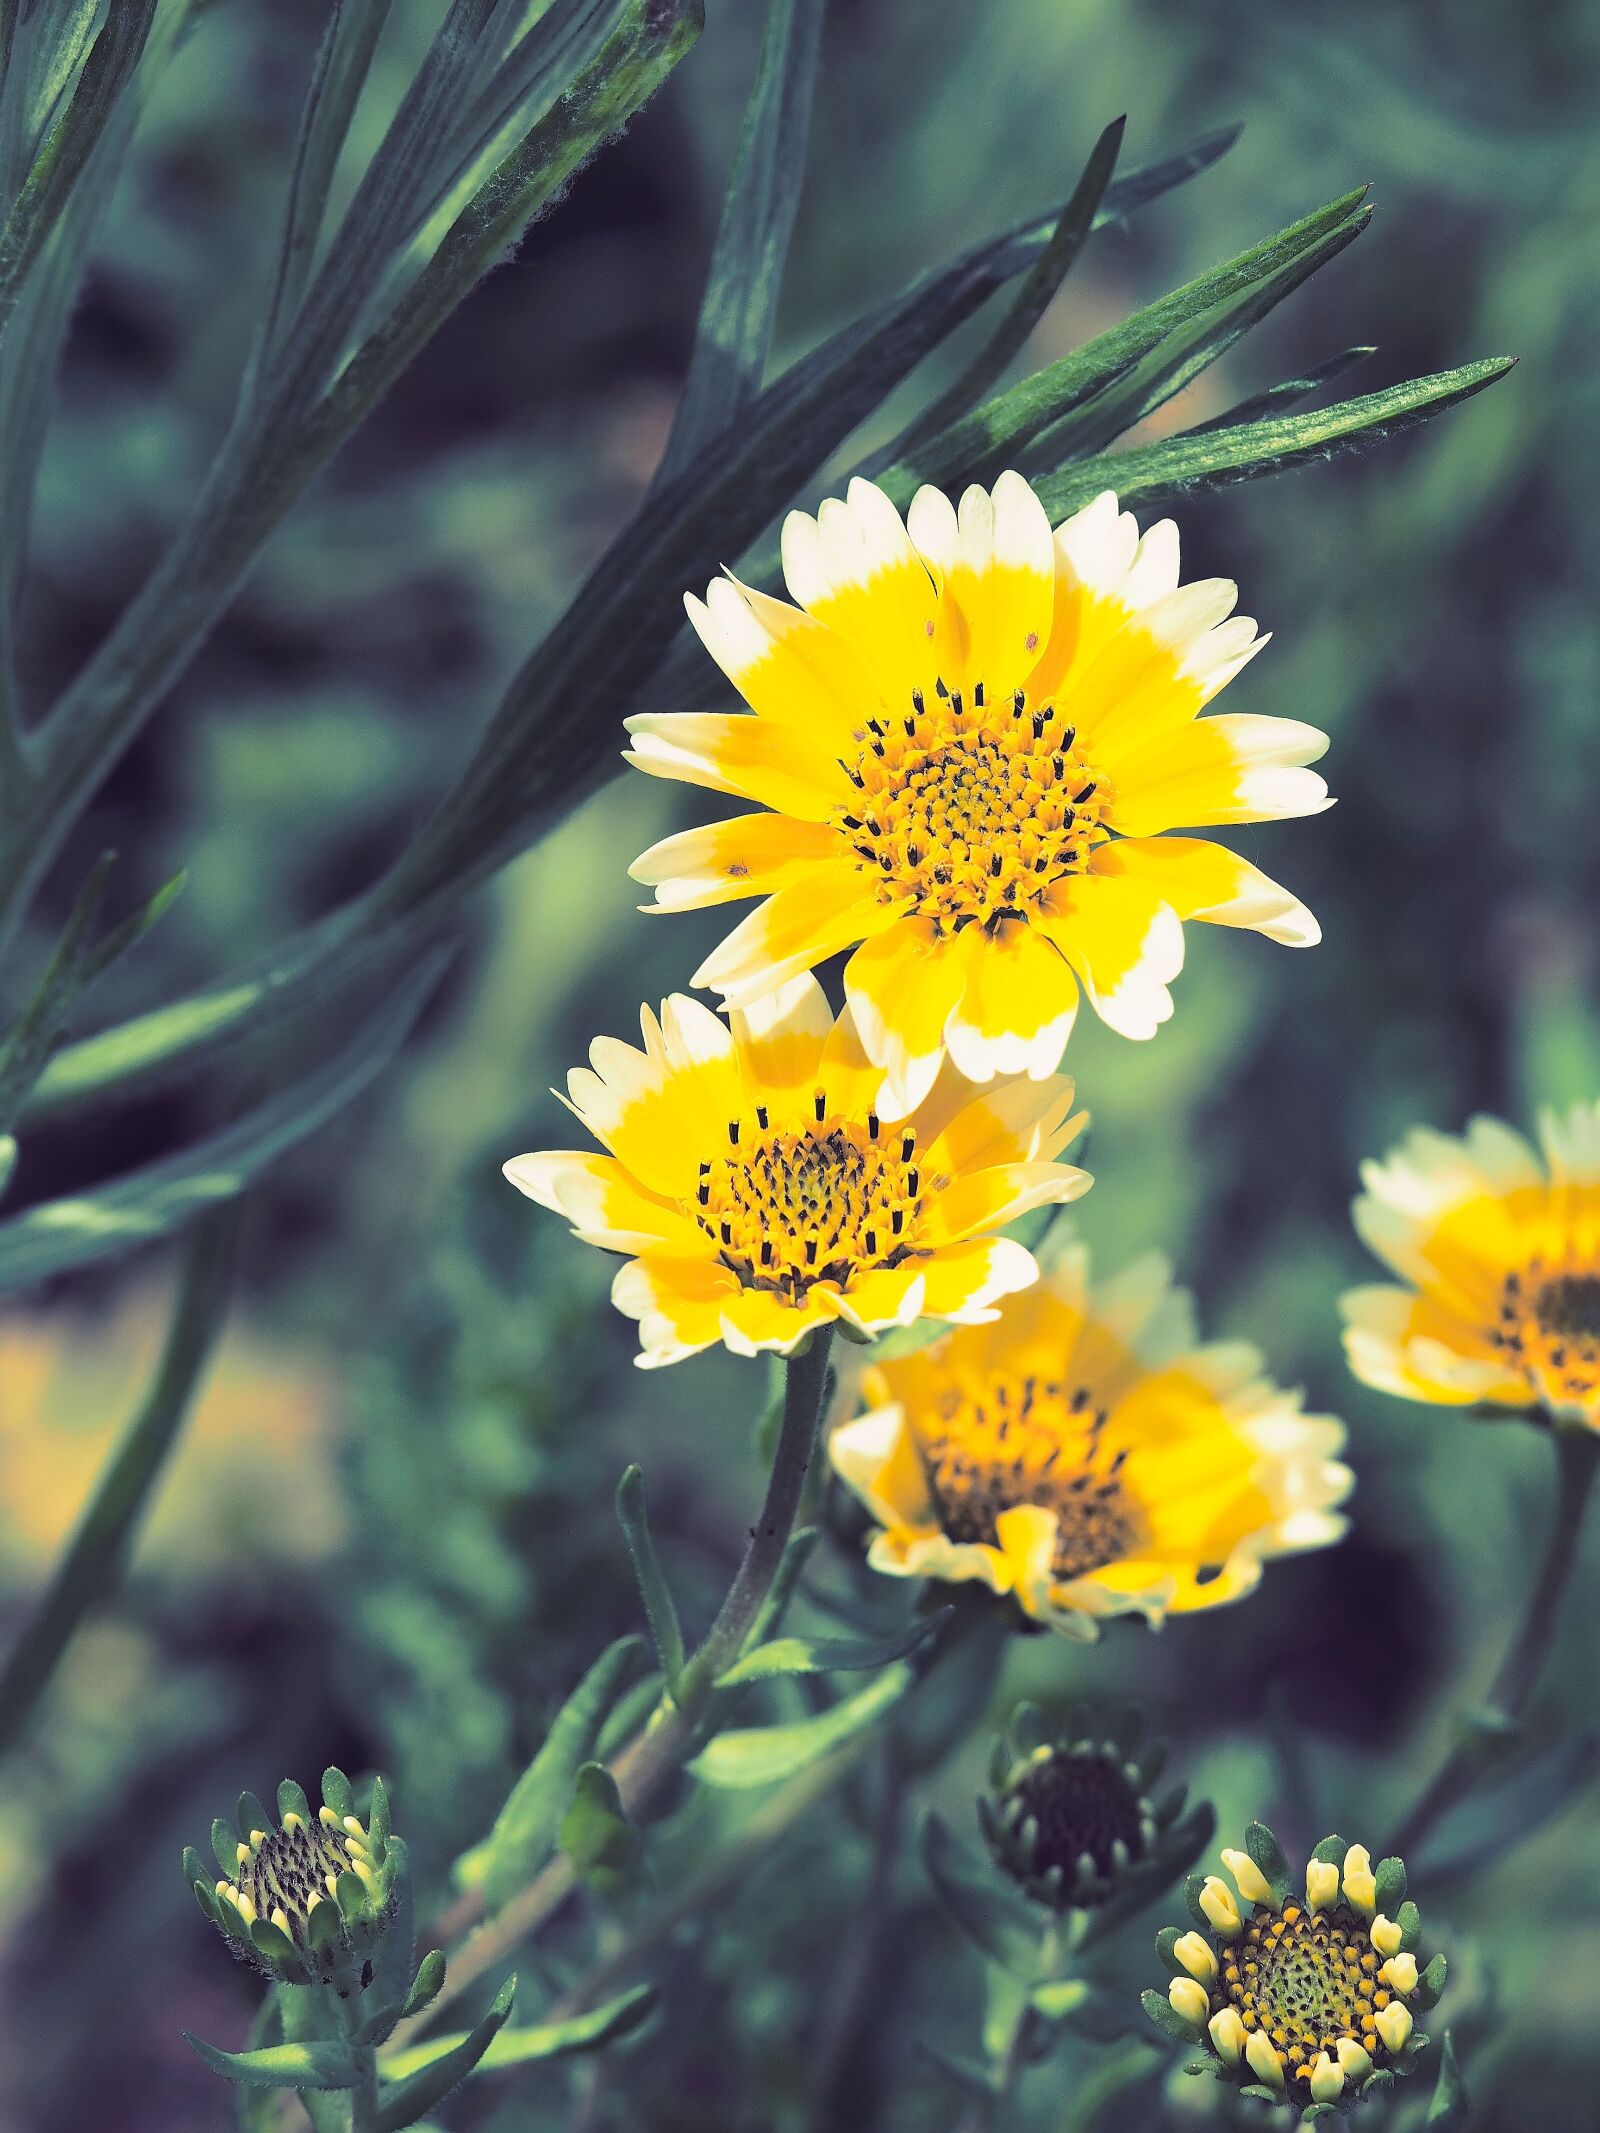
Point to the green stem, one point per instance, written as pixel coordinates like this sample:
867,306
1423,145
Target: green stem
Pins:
1577,1452
990,2113
673,1733
89,1569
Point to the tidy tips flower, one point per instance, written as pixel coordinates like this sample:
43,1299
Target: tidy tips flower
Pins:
1083,1454
971,735
1071,1818
1312,1999
759,1192
1500,1252
304,1895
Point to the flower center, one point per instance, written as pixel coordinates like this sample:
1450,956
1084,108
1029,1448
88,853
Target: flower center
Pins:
1084,1804
1307,1978
1549,1330
292,1870
1032,1441
797,1208
972,809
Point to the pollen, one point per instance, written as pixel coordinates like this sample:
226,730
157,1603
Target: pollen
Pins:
1548,1329
1307,1979
788,1210
1032,1440
971,808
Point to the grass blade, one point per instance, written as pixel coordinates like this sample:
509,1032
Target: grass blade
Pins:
734,336
93,1561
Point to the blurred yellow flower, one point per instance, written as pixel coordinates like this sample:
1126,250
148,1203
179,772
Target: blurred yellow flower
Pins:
759,1193
1500,1252
1083,1454
971,734
253,1475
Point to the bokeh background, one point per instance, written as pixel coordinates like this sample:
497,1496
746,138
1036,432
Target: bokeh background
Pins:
387,1540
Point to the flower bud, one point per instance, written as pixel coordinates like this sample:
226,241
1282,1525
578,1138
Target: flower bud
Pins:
1386,1936
1227,2034
1360,1885
1354,2058
1327,2080
1216,1900
1254,1886
1322,1884
1199,1958
1399,1973
1393,2025
1264,2061
1186,1997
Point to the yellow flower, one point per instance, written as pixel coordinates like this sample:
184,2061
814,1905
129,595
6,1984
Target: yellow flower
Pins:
1085,1455
1501,1254
971,734
759,1193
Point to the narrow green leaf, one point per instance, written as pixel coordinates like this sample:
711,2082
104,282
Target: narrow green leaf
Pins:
451,2060
1503,1811
1180,466
992,1914
740,306
596,1834
796,1554
764,1754
528,1826
1138,357
1030,303
1278,399
830,1655
551,2040
426,1985
151,1202
283,2066
662,1615
1451,2103
973,2075
98,1550
337,79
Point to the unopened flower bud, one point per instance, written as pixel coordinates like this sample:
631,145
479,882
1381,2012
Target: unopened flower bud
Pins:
1354,2058
1198,1957
1264,2061
1187,1997
1216,1900
1386,1936
1254,1886
1394,2025
1327,2080
1322,1884
1360,1886
1227,2034
1399,1973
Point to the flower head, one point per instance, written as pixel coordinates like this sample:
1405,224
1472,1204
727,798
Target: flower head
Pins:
306,1897
760,1193
1082,1453
1501,1256
1308,2000
971,734
1071,1818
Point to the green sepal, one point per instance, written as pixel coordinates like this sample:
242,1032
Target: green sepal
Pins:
292,1801
1267,1853
378,1827
1378,2083
225,1843
272,1943
194,1867
283,2066
206,1897
994,1916
828,1655
604,1846
1168,2020
1261,2093
1027,1730
426,1985
1390,1880
1409,1919
1330,1852
352,1898
1450,2104
1167,1809
1213,2067
1430,1985
1314,2113
336,1792
1193,1884
324,1928
1151,1761
1125,1729
252,1815
451,2060
1167,1948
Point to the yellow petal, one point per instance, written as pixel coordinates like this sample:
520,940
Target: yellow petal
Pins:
853,567
678,1301
1016,1007
787,666
602,1202
902,986
791,932
1207,881
780,1037
999,575
964,1281
989,1199
876,1456
748,855
1227,769
729,751
1125,943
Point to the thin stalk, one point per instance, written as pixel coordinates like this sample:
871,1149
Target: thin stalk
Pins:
990,2113
94,1558
673,1733
1577,1452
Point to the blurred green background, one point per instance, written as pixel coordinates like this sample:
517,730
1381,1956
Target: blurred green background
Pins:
388,1540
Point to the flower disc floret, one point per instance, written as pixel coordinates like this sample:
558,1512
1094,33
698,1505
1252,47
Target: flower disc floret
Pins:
759,1193
1499,1248
969,739
1084,1454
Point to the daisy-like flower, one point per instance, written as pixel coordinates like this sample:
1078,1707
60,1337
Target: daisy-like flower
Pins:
759,1192
1307,2000
1083,1454
970,735
1500,1254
